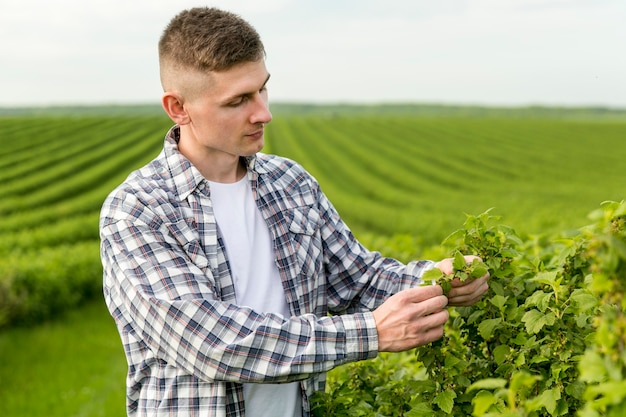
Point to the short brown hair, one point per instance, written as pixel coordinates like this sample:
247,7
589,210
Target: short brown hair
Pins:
209,39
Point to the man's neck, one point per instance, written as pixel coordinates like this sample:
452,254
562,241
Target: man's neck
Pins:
223,173
215,166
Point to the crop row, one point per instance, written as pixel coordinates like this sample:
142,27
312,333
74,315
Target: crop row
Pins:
394,179
540,174
52,186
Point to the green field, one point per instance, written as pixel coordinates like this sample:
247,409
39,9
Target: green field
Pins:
402,179
391,175
399,176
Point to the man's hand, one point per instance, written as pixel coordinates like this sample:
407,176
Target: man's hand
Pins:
411,318
464,293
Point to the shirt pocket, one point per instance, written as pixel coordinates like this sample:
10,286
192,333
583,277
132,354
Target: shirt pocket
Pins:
192,266
303,220
299,249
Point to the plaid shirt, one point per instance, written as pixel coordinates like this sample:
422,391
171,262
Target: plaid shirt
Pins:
167,284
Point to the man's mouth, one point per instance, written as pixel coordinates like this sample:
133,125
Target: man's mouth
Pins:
257,134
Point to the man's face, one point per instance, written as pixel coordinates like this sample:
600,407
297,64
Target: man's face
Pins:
227,114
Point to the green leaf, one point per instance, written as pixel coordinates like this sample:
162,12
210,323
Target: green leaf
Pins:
431,275
498,301
482,402
546,277
583,300
592,367
576,389
420,410
521,380
479,270
486,327
539,299
475,316
535,320
451,361
454,236
496,287
445,400
488,383
618,246
582,320
549,399
458,262
446,286
500,353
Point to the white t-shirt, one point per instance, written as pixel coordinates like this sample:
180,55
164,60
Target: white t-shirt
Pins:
257,284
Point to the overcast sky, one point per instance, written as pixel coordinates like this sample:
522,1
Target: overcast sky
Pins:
490,52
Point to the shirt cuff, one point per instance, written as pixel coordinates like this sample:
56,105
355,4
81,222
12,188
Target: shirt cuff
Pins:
361,336
414,272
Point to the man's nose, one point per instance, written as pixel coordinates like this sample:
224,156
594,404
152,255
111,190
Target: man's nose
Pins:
261,112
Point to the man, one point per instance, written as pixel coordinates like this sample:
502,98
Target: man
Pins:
233,281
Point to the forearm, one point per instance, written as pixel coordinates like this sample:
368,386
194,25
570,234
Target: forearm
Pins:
221,342
360,279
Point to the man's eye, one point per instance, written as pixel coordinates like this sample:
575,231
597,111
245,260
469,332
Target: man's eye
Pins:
238,102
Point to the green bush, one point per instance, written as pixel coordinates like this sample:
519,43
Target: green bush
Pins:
37,284
547,340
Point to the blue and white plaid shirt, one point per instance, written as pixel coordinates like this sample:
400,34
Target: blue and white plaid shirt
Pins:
167,284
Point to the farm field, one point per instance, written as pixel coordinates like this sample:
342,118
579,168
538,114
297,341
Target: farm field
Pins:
391,175
403,183
398,180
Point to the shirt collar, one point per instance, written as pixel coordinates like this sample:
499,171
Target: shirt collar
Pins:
185,175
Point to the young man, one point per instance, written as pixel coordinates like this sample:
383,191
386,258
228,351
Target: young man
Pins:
233,281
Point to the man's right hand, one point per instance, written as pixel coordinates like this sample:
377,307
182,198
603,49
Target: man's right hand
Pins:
411,318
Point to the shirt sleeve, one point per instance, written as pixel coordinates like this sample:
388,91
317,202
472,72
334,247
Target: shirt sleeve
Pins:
160,297
361,279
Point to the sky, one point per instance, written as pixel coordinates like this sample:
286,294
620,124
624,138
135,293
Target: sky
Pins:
467,52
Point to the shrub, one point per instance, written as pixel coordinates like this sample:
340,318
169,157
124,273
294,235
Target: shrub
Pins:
36,284
547,340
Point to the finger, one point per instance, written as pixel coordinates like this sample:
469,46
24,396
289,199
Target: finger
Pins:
459,298
431,306
419,294
468,287
469,283
428,329
435,320
445,266
417,309
466,301
403,324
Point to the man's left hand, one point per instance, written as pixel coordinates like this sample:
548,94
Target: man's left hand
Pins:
464,293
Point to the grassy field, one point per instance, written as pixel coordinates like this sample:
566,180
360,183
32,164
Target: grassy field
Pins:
391,175
71,366
402,180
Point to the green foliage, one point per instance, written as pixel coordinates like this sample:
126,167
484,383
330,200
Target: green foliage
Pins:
461,270
54,175
603,366
385,386
41,283
547,340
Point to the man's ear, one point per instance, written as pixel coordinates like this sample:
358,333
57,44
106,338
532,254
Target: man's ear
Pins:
173,105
